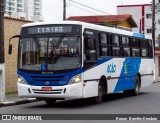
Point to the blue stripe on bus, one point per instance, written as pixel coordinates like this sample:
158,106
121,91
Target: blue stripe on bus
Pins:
51,79
128,83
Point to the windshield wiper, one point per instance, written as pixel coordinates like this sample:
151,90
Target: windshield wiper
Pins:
37,43
59,40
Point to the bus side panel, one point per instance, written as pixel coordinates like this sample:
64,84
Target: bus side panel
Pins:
118,62
128,74
91,77
146,71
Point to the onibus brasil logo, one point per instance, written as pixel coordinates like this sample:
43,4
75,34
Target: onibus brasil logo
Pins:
111,68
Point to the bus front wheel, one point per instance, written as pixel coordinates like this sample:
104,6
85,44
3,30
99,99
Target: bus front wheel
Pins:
98,99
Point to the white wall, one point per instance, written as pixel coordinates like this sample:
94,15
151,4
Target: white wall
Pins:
157,67
2,82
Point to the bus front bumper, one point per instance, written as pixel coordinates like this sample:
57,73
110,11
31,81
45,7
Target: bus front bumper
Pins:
73,91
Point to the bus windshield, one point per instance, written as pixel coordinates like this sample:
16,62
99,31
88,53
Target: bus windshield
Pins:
55,53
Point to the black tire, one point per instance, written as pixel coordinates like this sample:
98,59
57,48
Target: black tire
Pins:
98,99
136,90
50,102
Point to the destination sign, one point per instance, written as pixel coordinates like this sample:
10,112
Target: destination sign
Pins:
53,29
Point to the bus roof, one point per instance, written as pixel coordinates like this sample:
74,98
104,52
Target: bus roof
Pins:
92,26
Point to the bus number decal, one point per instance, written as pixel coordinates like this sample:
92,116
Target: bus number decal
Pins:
111,68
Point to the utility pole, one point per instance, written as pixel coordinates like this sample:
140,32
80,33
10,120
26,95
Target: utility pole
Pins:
64,9
2,65
1,31
153,22
140,27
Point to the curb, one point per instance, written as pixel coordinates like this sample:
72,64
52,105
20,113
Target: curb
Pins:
18,102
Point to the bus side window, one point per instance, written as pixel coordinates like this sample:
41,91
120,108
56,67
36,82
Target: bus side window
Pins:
115,46
144,47
90,49
136,47
125,46
150,49
103,45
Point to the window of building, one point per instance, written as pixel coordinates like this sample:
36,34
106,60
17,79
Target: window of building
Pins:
149,30
19,5
19,10
149,16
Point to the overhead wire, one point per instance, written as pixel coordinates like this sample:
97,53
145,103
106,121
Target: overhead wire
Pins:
90,7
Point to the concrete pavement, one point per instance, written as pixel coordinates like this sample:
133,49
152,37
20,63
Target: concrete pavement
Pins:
13,99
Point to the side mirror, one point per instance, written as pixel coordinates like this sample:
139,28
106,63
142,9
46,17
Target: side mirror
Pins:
10,49
10,45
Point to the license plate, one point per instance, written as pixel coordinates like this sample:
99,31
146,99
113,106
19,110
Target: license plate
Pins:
46,88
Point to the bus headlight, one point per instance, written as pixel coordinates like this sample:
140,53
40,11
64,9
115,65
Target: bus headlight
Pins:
21,80
76,79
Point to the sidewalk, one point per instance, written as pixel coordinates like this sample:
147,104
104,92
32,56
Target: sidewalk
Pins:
13,99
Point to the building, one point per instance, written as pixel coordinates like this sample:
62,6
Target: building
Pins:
142,14
14,8
12,26
124,21
33,10
24,9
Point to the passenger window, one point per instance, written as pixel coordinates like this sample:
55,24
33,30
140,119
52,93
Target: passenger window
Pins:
126,52
103,45
125,41
150,50
144,47
135,52
116,51
115,46
90,49
115,41
144,53
135,43
103,39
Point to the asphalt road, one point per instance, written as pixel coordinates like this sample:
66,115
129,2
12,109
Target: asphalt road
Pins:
148,102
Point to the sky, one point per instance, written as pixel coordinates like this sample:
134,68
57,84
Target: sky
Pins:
52,10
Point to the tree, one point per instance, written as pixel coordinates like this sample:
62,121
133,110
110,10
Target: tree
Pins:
111,24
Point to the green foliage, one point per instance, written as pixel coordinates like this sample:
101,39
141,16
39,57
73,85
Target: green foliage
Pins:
107,23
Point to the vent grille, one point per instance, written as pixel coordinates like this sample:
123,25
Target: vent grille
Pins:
47,78
56,91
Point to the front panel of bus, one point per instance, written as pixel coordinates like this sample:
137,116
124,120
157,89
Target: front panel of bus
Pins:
49,61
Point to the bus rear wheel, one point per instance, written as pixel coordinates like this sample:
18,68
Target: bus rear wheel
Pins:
50,102
98,99
136,90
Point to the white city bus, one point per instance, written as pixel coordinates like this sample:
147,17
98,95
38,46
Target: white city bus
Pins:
71,60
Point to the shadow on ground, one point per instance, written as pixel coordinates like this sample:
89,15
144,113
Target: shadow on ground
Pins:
81,103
